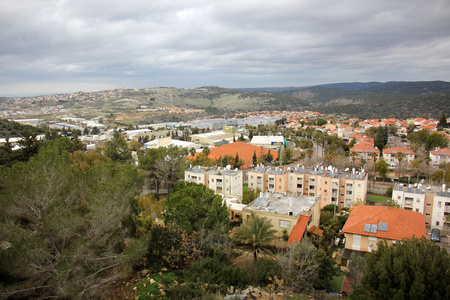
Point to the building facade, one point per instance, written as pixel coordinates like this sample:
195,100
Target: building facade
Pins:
431,201
342,188
367,225
440,156
284,210
223,181
390,155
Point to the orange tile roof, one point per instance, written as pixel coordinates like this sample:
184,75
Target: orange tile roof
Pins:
364,148
402,223
298,231
316,231
394,150
441,152
245,152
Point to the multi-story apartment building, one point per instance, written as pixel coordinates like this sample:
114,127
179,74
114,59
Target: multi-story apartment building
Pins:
365,151
431,201
390,155
342,188
440,156
223,181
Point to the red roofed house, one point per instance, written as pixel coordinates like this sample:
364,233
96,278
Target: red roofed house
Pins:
389,155
365,150
367,225
440,156
245,152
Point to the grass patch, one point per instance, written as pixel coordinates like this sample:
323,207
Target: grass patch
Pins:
245,187
336,283
377,198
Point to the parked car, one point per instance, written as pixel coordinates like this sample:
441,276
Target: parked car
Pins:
435,235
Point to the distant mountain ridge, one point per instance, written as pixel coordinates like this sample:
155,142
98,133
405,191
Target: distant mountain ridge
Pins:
357,99
389,87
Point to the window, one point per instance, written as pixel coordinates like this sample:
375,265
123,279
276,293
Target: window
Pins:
325,192
212,179
359,184
418,200
427,214
285,224
356,242
428,204
399,197
372,243
326,182
437,223
439,203
417,210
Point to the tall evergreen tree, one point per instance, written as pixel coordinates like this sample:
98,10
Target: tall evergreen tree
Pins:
442,122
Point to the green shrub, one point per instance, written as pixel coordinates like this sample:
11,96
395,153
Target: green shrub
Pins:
217,270
144,289
266,268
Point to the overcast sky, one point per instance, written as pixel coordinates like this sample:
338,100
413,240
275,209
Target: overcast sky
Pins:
54,46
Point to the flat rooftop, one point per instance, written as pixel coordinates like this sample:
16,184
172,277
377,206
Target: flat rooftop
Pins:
283,204
422,189
213,170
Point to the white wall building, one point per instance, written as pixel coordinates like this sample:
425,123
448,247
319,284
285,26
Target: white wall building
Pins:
223,181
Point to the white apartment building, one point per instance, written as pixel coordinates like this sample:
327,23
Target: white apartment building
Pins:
440,156
431,201
223,181
390,156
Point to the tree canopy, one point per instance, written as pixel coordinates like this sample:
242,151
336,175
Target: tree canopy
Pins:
256,232
193,206
63,228
411,269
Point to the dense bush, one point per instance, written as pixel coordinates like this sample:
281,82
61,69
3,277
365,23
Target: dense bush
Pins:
217,270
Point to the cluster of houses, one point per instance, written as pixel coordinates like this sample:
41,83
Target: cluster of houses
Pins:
294,211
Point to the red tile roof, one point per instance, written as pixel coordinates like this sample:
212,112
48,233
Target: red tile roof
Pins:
245,152
401,223
364,148
299,230
394,150
441,152
316,231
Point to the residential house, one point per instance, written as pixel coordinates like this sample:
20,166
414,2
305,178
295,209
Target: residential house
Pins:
367,225
365,150
440,156
390,155
285,210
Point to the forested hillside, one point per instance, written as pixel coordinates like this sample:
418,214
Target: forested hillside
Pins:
14,129
399,100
